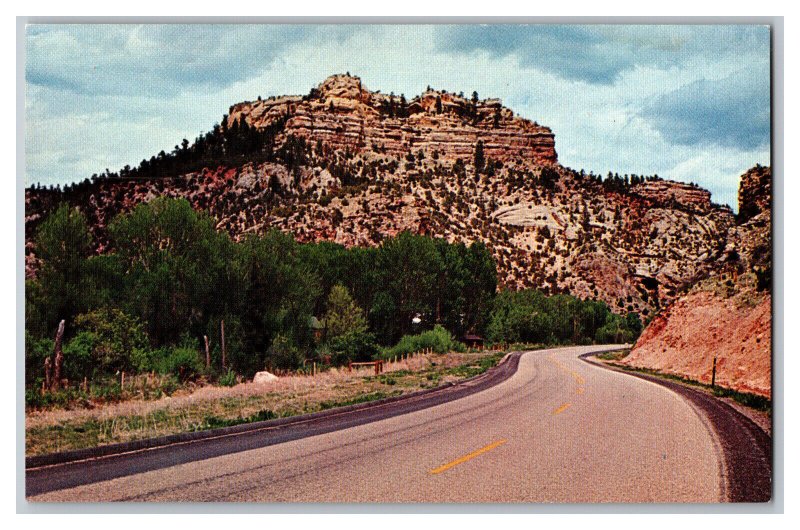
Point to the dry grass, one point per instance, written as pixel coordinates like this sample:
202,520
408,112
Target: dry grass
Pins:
206,407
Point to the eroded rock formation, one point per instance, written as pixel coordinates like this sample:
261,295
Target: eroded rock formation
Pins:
367,165
727,315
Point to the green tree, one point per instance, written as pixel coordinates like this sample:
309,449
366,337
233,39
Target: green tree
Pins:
408,265
180,271
343,315
62,243
634,324
277,297
284,354
479,159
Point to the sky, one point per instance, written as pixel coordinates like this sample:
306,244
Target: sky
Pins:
689,103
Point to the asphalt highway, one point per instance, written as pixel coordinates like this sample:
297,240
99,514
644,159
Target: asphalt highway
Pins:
558,429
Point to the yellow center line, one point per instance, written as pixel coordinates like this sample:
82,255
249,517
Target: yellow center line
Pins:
575,375
465,458
562,408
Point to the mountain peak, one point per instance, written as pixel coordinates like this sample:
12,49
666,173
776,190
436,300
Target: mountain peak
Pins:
343,114
342,86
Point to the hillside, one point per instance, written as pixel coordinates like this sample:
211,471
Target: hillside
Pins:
727,315
354,166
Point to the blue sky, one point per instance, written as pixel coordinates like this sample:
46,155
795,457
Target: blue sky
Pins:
690,103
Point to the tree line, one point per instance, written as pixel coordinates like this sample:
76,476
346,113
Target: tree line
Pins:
172,281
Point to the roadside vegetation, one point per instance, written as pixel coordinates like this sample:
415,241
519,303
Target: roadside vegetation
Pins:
209,407
614,355
172,304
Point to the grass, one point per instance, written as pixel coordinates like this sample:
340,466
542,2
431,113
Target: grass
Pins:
747,399
363,398
615,355
210,407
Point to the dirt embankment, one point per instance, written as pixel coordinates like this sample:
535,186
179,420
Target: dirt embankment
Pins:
702,325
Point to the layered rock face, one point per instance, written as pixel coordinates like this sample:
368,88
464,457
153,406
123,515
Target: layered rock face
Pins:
727,315
343,114
665,193
373,167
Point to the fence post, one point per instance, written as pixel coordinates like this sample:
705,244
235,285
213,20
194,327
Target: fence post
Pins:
222,340
314,368
714,372
48,380
208,354
349,366
59,357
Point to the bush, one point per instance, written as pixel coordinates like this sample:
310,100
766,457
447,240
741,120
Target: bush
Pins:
323,352
113,336
228,379
185,363
613,331
79,359
284,354
438,339
353,347
36,351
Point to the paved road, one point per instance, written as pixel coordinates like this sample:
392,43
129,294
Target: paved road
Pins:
557,430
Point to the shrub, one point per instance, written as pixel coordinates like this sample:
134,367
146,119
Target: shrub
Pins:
284,354
228,379
438,339
353,347
114,335
182,362
79,356
323,352
36,351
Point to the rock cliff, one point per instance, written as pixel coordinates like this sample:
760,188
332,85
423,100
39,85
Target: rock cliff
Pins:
344,114
727,315
354,166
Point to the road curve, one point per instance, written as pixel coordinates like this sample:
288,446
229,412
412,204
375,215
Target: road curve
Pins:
557,430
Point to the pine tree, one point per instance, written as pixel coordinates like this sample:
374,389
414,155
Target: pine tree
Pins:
480,160
343,315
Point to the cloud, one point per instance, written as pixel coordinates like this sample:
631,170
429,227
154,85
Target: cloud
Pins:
599,54
729,112
152,60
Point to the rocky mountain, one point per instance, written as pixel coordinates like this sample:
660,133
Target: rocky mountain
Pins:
727,315
353,166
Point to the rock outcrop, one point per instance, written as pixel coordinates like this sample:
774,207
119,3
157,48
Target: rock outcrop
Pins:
365,165
344,114
727,315
666,193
